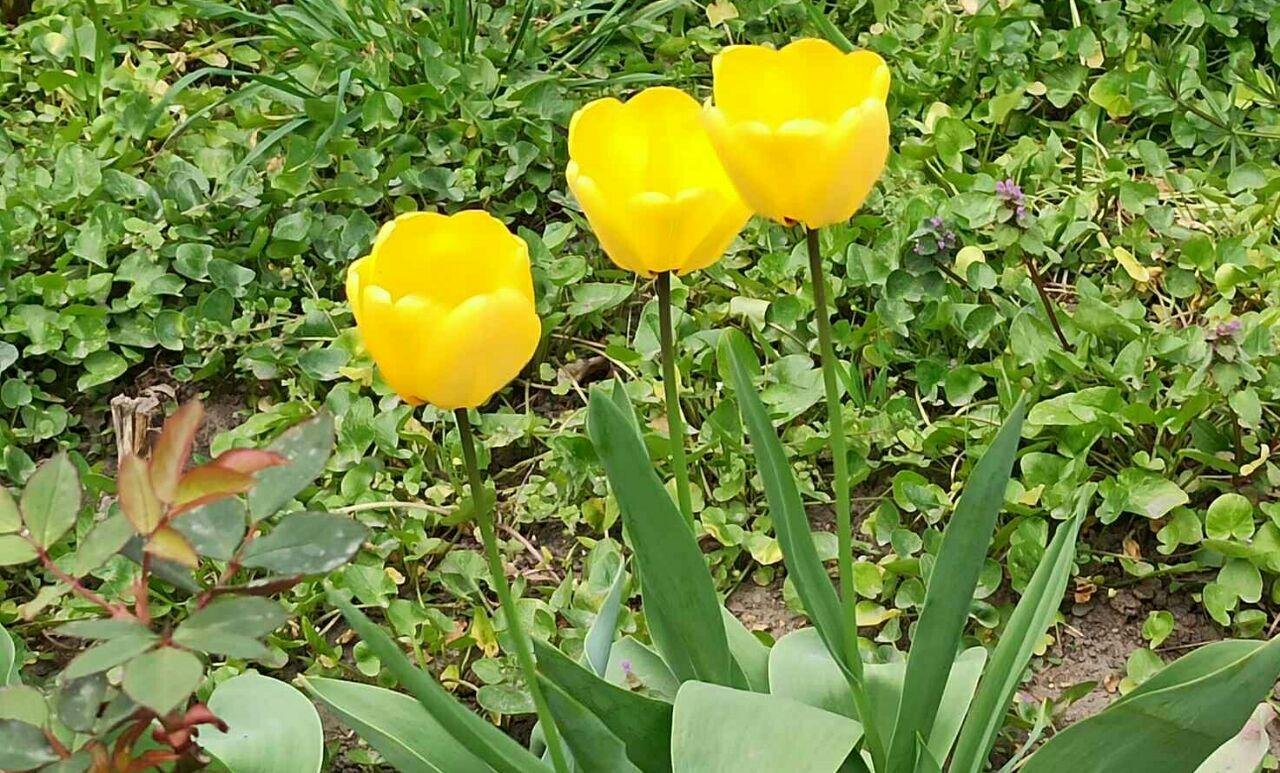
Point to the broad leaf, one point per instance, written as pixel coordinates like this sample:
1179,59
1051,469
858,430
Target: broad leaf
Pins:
25,704
722,730
751,655
642,724
107,538
306,543
1175,724
801,668
109,654
950,593
138,498
15,549
8,660
638,668
402,731
1023,633
594,747
172,449
249,460
270,727
484,740
307,447
78,701
208,482
23,747
676,586
10,516
215,529
103,628
162,679
599,638
1245,752
169,544
232,626
51,500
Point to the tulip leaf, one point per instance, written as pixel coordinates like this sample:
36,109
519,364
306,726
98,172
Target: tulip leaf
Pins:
679,596
593,745
790,520
484,740
1022,634
1196,704
642,724
950,593
271,726
719,729
402,731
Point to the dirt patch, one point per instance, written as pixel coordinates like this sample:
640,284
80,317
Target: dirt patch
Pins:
1099,636
761,608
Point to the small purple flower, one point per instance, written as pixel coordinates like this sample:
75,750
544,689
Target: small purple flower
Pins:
1225,330
1012,197
626,666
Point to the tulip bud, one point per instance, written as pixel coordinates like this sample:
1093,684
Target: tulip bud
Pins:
802,131
650,184
445,305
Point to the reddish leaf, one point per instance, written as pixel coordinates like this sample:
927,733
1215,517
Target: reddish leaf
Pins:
172,450
210,481
138,498
249,460
169,543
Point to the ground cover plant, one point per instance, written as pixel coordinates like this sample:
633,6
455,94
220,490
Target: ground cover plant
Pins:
1079,207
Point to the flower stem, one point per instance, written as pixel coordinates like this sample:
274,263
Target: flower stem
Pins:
524,651
671,390
844,522
1038,281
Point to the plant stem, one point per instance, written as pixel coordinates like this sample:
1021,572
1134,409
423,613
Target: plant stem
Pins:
671,390
844,522
524,651
1038,281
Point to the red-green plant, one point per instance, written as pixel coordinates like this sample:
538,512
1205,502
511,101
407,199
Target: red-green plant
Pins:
202,532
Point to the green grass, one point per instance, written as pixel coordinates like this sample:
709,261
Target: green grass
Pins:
182,186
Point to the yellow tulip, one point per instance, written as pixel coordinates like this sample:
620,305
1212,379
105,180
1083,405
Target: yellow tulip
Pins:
803,130
445,305
650,184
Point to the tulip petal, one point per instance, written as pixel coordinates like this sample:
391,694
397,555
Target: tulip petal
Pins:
358,275
480,347
394,340
449,259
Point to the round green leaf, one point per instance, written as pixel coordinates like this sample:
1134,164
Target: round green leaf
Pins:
271,727
162,679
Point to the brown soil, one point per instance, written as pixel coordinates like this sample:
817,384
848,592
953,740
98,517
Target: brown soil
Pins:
761,608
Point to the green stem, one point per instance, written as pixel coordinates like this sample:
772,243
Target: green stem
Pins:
524,651
844,522
671,390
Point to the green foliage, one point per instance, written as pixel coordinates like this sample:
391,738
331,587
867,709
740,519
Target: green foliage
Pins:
183,183
152,648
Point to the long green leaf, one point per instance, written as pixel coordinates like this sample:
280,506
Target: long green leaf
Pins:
484,740
1026,627
950,593
722,730
1170,729
642,724
790,521
679,596
593,745
395,724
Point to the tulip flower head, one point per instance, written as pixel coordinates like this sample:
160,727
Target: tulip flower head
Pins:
802,130
445,305
649,181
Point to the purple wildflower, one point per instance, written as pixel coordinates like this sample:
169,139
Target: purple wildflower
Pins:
1012,197
1225,330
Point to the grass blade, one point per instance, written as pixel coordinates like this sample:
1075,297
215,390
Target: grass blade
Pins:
950,593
